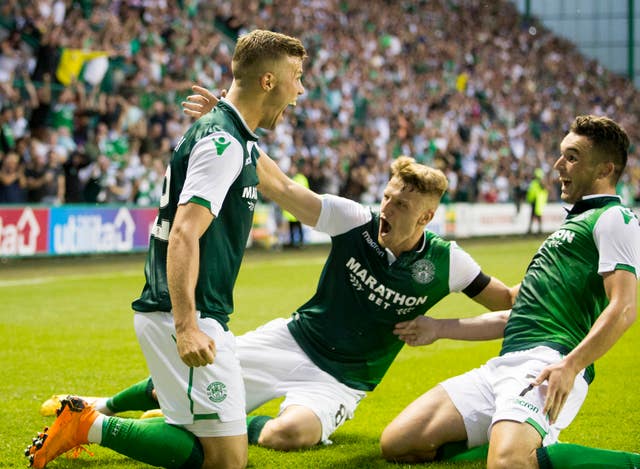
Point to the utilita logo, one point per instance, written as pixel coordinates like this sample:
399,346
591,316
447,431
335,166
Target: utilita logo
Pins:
91,233
18,234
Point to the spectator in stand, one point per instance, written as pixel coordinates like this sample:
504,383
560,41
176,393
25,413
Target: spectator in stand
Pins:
45,180
13,183
478,91
73,182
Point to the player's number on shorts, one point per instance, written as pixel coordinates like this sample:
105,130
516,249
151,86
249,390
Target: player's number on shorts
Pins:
341,414
161,227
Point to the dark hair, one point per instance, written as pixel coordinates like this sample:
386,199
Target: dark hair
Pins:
608,138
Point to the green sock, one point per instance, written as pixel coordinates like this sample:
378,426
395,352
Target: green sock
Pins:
152,441
255,424
458,451
562,455
136,397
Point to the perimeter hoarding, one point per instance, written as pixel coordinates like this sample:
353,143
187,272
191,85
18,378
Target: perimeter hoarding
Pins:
81,230
23,231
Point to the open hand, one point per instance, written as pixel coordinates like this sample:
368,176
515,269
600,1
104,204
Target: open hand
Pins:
560,380
199,104
420,331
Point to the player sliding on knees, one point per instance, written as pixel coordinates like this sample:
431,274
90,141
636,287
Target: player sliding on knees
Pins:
384,267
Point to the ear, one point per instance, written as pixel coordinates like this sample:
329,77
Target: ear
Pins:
607,168
267,81
426,217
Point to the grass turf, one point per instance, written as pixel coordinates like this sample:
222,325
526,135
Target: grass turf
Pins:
67,326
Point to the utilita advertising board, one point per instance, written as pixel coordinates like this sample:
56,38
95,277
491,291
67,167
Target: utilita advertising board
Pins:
31,231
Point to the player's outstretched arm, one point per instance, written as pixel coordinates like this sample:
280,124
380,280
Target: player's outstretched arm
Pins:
303,203
496,296
613,322
425,330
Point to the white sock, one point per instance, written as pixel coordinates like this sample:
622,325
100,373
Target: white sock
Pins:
100,405
95,431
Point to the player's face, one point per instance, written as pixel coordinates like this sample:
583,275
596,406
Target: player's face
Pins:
287,87
401,212
578,168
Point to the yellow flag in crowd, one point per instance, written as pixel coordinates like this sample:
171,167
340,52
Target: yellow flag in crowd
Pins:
71,62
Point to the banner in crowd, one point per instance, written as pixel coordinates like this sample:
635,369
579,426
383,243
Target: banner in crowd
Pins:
78,229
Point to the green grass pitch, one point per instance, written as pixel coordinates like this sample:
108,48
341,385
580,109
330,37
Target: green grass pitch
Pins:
66,326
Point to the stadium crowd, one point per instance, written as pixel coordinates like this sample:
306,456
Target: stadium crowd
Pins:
90,94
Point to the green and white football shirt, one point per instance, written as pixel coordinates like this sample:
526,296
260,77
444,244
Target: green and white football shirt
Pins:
214,165
363,291
562,293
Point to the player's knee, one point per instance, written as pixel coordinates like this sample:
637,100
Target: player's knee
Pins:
229,456
398,445
288,435
510,458
230,460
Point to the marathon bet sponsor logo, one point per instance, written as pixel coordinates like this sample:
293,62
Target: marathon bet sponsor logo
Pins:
217,391
379,293
251,194
560,237
423,271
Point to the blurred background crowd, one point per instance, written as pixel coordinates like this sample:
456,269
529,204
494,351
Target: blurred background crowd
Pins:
90,94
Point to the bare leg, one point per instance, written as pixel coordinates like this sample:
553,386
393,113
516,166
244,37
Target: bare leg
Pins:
513,445
421,428
295,428
229,452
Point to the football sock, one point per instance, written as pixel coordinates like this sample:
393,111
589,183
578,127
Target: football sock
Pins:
152,441
458,451
136,397
562,455
101,406
95,430
255,424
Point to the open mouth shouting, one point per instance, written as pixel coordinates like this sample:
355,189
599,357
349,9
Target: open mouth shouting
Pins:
385,227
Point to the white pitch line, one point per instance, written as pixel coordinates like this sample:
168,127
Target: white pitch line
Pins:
22,282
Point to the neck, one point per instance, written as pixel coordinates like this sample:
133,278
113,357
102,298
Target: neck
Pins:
412,244
248,104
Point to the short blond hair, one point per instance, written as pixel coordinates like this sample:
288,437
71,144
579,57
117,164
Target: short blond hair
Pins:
260,48
419,177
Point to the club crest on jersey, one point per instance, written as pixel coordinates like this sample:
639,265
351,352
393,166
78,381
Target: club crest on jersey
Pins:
217,391
423,271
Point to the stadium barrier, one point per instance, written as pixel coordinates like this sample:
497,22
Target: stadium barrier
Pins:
36,230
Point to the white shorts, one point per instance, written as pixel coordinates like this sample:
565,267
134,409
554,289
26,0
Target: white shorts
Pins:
499,390
274,365
206,400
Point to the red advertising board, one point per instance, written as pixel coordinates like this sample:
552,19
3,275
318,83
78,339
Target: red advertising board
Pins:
23,231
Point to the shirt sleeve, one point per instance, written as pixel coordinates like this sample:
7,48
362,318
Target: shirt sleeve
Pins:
214,163
339,215
617,237
463,269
